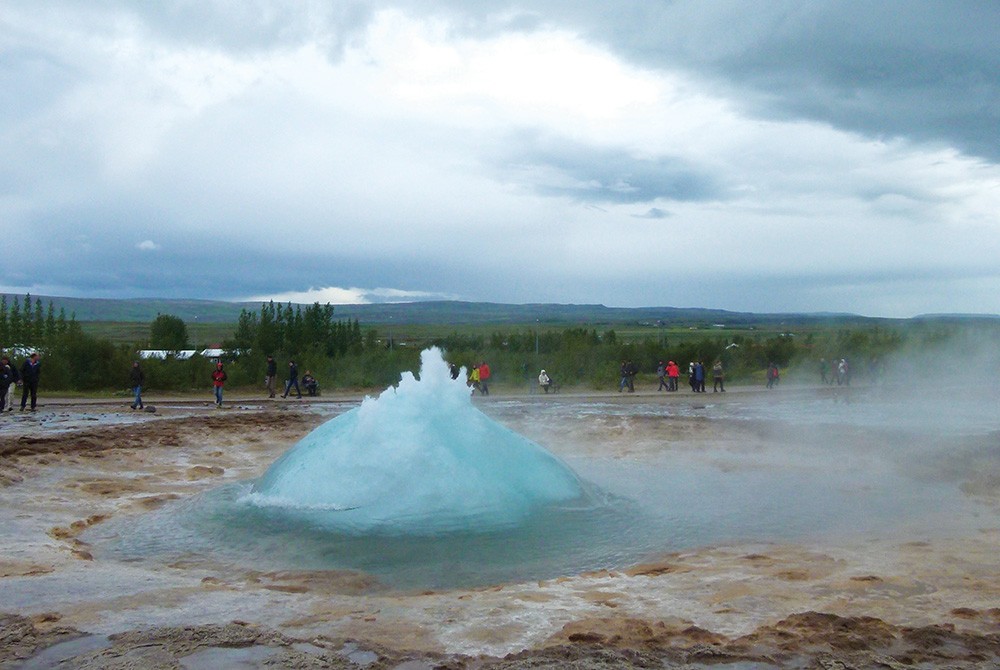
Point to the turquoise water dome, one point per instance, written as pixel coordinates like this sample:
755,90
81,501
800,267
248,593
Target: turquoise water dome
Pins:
418,459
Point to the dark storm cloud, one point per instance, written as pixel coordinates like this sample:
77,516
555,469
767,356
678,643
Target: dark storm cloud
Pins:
929,71
594,175
926,71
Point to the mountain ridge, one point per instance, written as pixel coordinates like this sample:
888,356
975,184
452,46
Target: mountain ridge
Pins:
139,310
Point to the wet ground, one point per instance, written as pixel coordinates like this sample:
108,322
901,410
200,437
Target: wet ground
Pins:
902,573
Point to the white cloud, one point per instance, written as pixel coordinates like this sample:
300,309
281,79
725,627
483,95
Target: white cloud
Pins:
489,166
349,296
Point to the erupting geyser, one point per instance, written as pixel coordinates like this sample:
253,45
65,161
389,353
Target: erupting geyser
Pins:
419,459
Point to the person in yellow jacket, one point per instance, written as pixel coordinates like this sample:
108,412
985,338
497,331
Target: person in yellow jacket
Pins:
474,379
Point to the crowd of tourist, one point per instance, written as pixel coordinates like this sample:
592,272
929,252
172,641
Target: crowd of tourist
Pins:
668,375
26,378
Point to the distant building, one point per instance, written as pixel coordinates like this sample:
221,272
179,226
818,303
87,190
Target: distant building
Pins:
215,354
16,351
163,354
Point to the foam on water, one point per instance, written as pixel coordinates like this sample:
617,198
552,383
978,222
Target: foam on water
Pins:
418,459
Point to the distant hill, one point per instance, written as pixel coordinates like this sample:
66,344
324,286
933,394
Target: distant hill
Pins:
451,311
144,310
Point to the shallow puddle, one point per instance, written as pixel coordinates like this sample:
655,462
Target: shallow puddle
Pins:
53,656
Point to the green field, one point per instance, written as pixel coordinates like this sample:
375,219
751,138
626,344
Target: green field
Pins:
202,335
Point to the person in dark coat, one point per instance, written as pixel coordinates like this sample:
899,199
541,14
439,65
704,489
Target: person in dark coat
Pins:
137,378
30,372
629,371
8,376
270,375
623,373
293,380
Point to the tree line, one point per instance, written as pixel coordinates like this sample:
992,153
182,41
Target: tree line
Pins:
278,329
343,355
26,323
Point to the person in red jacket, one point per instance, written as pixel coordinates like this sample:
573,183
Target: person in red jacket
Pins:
484,376
673,374
772,375
218,379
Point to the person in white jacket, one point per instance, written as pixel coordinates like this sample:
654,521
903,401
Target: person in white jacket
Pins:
544,381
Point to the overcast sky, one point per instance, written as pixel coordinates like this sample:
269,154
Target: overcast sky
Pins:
776,156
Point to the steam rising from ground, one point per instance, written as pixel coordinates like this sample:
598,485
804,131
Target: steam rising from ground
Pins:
945,381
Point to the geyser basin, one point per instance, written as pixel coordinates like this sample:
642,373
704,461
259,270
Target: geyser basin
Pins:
417,460
656,475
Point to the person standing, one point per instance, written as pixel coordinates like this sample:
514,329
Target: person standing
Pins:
772,375
293,380
544,381
717,384
474,379
218,380
137,378
661,373
270,375
673,374
30,372
628,378
484,376
11,398
699,377
8,376
824,369
843,373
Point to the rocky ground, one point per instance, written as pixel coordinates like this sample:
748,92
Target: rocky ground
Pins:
920,600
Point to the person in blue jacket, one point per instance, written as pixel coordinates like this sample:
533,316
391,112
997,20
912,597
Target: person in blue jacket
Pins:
293,380
136,377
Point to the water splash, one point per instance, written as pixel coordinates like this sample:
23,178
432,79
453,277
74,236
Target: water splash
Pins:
418,459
